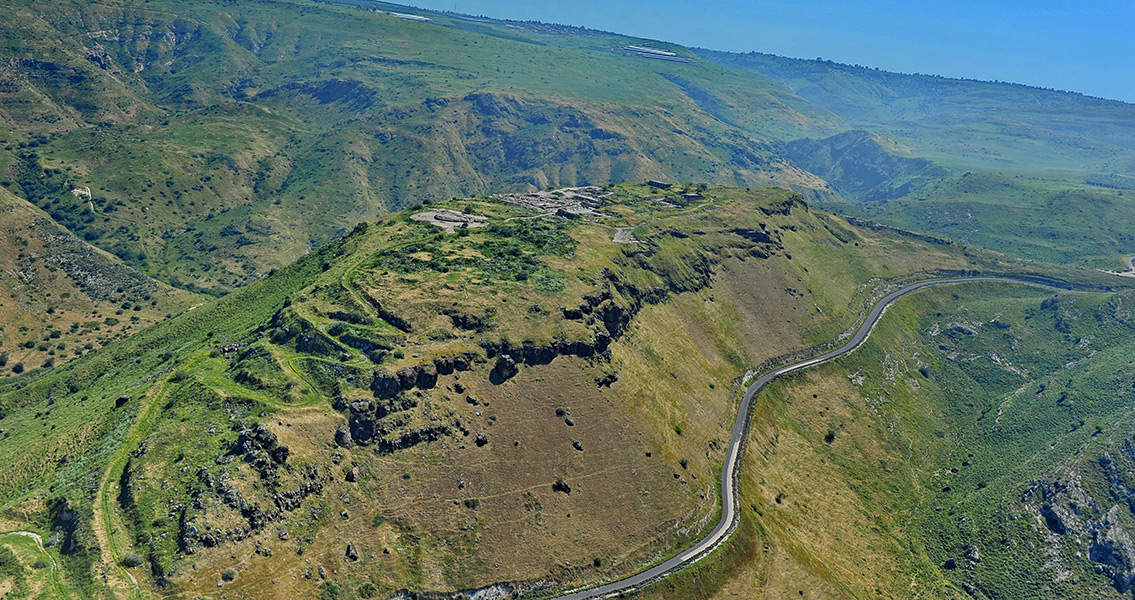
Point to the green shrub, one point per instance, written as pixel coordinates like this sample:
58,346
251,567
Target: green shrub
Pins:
228,574
131,560
472,503
367,590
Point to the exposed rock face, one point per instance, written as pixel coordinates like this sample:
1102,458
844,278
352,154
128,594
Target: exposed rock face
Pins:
1066,508
363,421
424,376
504,370
385,385
260,449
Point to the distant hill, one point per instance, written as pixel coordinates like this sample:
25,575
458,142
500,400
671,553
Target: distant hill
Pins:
1036,173
958,122
227,139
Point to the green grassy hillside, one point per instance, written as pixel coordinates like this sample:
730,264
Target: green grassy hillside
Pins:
448,404
978,445
222,140
1035,173
60,298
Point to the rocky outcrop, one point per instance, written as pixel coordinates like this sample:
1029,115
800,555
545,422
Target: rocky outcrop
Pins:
504,370
260,449
413,438
1066,508
423,376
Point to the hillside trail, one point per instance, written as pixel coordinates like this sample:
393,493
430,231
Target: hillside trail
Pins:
35,537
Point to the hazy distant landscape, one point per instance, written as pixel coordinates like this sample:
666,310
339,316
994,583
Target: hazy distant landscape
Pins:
347,299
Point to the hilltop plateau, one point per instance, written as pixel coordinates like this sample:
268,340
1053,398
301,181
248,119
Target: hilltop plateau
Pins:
543,399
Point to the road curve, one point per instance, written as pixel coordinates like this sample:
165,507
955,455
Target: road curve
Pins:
729,500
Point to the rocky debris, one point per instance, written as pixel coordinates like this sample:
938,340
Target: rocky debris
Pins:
973,554
260,449
569,200
343,437
577,445
190,538
355,473
351,552
451,220
570,423
561,486
413,438
504,370
323,572
481,440
608,378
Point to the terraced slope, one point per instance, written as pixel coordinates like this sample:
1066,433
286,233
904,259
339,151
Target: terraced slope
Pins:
529,401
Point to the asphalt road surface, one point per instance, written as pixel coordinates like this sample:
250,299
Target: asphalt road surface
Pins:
729,500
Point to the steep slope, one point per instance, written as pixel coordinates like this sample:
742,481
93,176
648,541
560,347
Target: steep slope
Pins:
861,168
539,397
979,445
215,133
61,298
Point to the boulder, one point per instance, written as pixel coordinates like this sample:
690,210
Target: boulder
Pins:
504,370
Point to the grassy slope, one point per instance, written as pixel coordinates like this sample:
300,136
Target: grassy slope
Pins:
210,136
60,298
867,476
1025,154
190,378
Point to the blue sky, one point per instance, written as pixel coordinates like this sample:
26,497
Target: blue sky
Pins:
1086,46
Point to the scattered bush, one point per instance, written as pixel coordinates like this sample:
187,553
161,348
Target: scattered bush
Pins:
228,574
131,560
472,503
368,590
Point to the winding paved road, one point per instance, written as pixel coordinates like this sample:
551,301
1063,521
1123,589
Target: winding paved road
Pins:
729,500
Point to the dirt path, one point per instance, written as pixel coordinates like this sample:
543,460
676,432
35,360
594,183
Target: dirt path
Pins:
56,584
